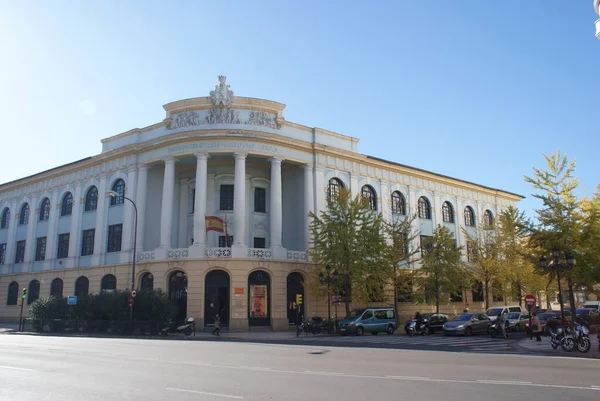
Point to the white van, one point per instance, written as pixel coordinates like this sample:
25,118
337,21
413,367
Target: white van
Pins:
493,313
591,305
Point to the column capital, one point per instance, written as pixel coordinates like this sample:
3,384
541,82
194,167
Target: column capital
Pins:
240,156
275,160
202,156
169,160
143,167
307,166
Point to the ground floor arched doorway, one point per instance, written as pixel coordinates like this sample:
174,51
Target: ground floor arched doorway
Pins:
259,298
178,283
216,297
295,285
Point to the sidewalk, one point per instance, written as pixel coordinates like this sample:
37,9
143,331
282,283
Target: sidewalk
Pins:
544,347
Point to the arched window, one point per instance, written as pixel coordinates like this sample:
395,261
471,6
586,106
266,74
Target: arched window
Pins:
56,288
66,207
108,283
91,199
398,203
24,216
82,286
178,283
259,297
424,208
333,188
469,216
5,218
45,209
13,293
34,292
147,282
118,187
368,193
488,219
447,212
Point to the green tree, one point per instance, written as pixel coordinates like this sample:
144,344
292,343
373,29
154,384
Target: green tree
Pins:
400,235
590,256
348,237
559,220
441,274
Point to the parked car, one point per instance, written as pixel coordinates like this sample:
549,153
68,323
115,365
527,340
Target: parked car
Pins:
493,313
550,320
432,322
588,316
369,320
591,305
517,320
467,324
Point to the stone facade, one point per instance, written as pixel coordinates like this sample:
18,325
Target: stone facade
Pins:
231,157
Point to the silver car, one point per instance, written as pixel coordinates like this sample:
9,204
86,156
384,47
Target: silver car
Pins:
467,324
517,320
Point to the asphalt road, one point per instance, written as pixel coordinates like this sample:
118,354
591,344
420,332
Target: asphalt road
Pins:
67,369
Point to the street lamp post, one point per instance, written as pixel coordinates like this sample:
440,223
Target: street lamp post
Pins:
328,278
114,194
557,266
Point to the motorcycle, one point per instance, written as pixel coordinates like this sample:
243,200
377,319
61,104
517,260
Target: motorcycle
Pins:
304,326
187,327
581,336
559,337
411,328
496,329
319,325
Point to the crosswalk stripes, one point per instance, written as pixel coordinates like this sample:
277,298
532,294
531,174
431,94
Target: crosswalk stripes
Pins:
476,344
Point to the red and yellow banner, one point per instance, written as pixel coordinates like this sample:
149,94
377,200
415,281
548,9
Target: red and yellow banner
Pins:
213,223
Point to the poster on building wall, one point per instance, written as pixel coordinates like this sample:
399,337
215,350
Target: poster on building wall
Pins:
258,301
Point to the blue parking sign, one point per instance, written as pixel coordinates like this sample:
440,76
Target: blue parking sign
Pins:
72,300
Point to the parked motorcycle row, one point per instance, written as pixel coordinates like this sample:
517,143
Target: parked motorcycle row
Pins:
569,339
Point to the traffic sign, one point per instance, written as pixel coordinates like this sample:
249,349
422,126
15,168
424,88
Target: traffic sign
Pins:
530,299
72,300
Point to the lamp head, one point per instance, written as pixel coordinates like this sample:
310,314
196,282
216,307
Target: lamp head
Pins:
555,252
570,260
113,194
543,262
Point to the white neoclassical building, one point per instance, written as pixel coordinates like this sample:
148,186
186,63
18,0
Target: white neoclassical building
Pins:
235,158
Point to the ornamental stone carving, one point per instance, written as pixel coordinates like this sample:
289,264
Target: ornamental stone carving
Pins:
186,119
261,118
222,96
222,116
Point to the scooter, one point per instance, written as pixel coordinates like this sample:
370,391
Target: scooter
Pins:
496,330
173,327
411,328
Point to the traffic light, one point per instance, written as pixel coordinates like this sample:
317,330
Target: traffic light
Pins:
298,299
24,293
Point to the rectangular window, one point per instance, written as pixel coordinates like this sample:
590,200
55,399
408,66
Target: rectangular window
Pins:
20,253
425,244
226,197
2,254
259,242
40,249
222,241
115,232
87,242
260,200
63,246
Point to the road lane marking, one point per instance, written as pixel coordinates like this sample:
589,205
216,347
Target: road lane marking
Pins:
15,368
316,372
408,377
237,397
502,382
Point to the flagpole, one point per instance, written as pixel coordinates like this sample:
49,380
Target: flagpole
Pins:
227,245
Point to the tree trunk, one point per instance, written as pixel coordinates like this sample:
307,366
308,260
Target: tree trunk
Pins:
395,293
487,294
437,305
572,296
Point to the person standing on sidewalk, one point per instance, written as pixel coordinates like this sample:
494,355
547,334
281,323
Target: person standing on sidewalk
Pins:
217,325
536,326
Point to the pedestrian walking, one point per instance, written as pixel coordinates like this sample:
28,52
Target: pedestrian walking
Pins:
536,326
217,325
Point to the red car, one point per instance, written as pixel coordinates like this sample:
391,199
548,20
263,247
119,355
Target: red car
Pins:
551,319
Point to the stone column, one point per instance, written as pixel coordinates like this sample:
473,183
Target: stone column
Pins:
320,190
309,203
436,215
239,248
413,208
30,244
459,224
141,195
100,234
384,200
354,189
11,243
129,215
166,215
275,212
184,193
75,229
199,246
52,235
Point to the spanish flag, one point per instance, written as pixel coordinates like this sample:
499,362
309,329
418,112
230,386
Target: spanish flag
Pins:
213,223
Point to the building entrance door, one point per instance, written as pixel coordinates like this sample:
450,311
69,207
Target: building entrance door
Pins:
216,300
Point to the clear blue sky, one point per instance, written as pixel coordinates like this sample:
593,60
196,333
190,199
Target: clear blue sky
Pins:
473,89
